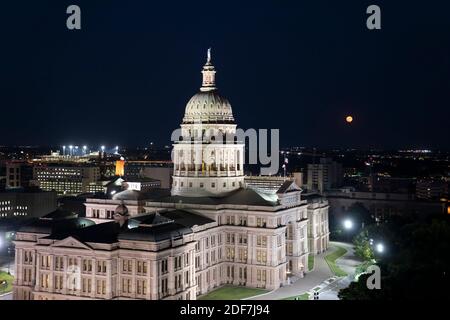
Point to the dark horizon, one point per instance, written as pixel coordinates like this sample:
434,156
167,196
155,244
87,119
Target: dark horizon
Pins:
126,77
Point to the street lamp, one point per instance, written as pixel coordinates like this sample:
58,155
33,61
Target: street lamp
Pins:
348,224
379,247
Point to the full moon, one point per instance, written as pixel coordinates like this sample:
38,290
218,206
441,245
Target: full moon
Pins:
349,119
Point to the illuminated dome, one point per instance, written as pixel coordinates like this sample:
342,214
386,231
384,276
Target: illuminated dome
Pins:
218,168
208,106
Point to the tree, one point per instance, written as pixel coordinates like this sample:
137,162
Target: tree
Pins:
416,265
363,248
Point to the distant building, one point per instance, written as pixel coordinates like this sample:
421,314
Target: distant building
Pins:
26,203
106,185
18,174
431,189
324,175
159,170
66,179
120,167
380,205
386,184
141,184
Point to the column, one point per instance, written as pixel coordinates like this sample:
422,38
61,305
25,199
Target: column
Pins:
93,284
154,280
227,161
235,161
217,161
108,279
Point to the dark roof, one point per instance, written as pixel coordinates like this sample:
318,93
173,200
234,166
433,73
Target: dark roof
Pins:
241,196
155,233
73,204
44,226
186,218
149,227
312,196
99,233
154,219
60,214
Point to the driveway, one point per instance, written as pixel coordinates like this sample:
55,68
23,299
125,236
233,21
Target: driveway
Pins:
348,262
311,280
319,276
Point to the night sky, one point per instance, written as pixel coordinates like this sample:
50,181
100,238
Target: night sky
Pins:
300,66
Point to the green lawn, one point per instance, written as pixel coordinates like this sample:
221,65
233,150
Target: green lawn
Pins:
232,293
9,279
331,260
310,262
304,296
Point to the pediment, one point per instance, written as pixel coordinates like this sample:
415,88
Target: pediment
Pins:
289,186
71,242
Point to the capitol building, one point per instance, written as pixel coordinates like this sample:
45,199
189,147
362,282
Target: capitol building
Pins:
213,228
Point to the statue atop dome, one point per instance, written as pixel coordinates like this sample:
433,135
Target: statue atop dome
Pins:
208,57
209,74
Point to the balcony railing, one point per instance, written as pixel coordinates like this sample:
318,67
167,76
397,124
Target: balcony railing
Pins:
231,173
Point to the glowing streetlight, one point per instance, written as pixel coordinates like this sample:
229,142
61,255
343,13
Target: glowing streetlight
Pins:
103,148
71,149
84,149
380,248
348,224
64,150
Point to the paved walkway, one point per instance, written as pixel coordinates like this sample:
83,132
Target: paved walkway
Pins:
311,280
348,262
7,296
321,277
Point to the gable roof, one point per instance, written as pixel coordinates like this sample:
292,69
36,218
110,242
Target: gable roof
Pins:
288,186
187,218
72,243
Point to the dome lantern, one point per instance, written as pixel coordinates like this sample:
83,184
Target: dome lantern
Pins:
209,74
